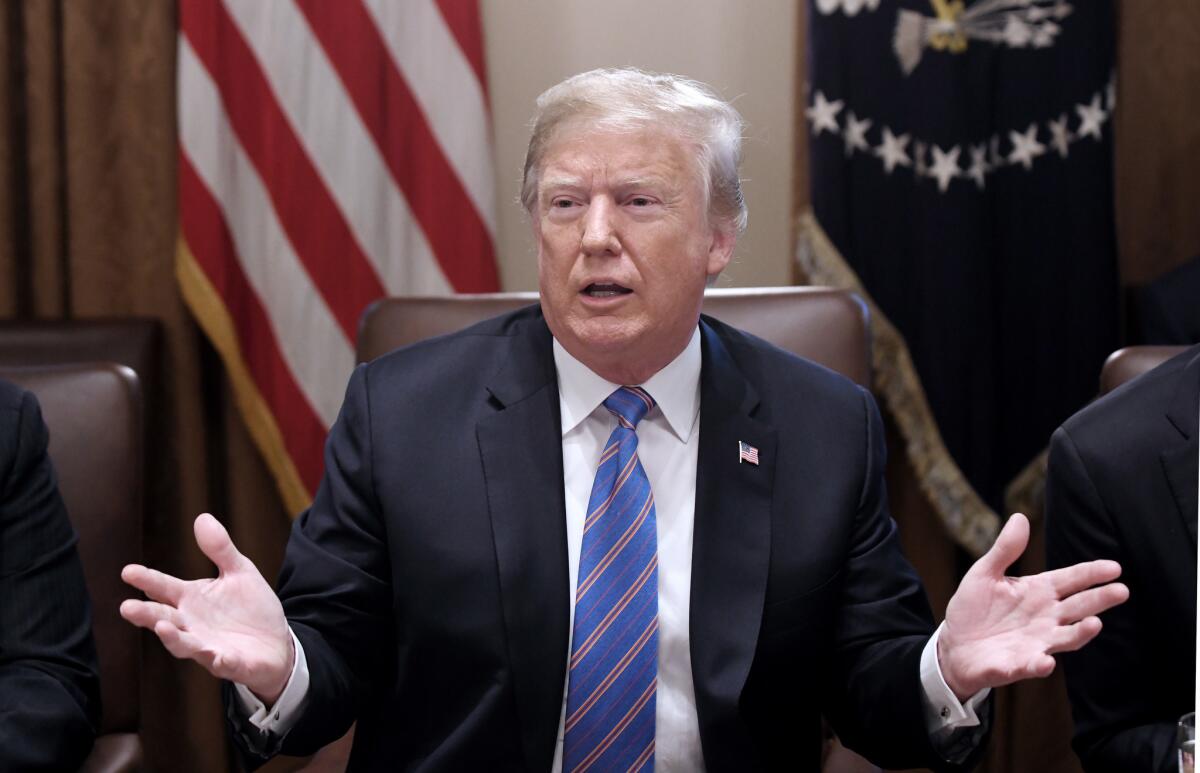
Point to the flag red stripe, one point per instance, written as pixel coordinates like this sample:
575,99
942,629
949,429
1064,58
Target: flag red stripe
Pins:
456,232
209,239
466,24
319,234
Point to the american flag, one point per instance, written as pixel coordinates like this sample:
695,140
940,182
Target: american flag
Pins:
330,153
747,453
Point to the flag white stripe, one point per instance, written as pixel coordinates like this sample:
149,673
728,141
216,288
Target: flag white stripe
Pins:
300,320
329,127
447,89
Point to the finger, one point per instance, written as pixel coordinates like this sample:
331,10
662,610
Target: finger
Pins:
1072,579
184,645
146,614
1041,666
1072,637
155,584
1009,545
215,543
1092,602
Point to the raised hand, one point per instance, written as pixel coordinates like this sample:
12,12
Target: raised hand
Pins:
232,625
1002,629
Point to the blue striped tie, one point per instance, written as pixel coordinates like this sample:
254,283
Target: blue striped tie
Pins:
614,658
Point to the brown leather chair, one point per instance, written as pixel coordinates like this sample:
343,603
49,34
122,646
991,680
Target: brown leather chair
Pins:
1132,361
94,413
825,325
106,508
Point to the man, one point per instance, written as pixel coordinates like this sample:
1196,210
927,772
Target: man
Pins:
534,547
49,688
1122,485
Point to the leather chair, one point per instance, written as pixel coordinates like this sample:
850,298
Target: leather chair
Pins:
825,325
94,412
1132,361
98,438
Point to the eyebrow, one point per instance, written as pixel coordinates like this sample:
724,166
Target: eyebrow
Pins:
578,182
560,182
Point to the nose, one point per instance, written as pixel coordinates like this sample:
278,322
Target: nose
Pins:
599,232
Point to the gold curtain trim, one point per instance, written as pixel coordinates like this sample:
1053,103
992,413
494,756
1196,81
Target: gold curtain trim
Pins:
971,523
1026,493
212,315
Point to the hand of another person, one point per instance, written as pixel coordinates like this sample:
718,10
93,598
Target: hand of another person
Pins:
1002,629
232,625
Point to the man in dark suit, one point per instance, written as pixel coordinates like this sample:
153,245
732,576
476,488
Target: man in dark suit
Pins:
1122,485
49,688
606,533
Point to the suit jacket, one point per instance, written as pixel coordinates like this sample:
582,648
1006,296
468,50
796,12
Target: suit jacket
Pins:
428,582
49,688
1122,485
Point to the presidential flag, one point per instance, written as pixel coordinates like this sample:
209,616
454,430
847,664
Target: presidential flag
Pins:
961,164
330,153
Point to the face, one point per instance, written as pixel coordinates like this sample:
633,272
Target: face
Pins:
625,248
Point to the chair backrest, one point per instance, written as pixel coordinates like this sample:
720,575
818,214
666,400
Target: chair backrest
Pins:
112,538
1132,361
94,413
825,325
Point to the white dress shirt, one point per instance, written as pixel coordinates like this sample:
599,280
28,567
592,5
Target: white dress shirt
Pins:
668,446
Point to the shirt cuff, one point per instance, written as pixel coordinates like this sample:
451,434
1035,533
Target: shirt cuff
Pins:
278,719
943,711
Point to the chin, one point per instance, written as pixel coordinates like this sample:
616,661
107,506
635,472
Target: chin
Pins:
605,335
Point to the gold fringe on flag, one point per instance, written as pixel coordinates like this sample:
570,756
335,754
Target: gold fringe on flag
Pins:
210,312
970,522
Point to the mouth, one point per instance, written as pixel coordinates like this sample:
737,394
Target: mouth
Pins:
605,290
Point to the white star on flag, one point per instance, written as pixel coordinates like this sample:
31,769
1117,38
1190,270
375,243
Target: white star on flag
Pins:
892,150
1025,147
979,164
823,114
1091,116
856,133
1060,135
945,166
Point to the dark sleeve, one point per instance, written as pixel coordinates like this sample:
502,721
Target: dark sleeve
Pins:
335,586
1117,724
874,698
49,688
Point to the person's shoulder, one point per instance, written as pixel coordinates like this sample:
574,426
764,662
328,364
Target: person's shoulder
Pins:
13,397
1129,405
774,369
472,353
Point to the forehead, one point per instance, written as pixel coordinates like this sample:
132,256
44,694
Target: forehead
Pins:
584,150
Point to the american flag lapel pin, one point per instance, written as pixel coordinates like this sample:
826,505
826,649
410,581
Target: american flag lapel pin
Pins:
747,453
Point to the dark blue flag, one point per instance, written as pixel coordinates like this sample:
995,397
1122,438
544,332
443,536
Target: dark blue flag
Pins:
961,163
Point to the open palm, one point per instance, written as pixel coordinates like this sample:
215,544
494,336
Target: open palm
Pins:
232,625
1002,629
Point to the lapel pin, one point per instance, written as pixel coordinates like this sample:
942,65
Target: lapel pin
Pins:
747,453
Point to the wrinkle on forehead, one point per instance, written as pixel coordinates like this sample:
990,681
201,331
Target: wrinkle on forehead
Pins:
588,157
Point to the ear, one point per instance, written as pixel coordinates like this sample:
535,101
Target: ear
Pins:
720,250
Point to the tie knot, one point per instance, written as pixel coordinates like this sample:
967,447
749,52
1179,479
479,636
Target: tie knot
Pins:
629,405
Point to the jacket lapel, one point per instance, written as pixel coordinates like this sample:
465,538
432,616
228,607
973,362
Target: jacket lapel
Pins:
731,548
521,448
1180,460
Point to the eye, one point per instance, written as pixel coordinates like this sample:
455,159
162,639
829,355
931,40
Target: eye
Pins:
641,201
562,204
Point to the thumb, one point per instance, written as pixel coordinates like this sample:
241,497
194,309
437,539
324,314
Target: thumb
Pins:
215,543
1009,545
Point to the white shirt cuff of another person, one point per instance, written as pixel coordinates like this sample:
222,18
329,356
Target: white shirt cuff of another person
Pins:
278,719
954,727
